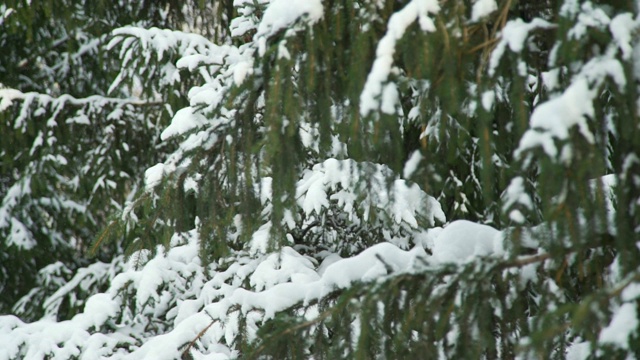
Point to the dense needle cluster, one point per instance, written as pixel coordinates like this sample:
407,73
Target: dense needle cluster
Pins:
327,179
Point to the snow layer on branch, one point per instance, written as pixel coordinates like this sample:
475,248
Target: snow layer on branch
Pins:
482,8
91,334
587,17
153,176
463,240
7,96
607,185
622,28
412,164
163,40
138,47
579,351
515,194
281,267
62,340
247,19
183,121
624,323
298,283
372,95
220,67
358,188
553,119
20,236
514,35
175,287
281,14
371,264
368,196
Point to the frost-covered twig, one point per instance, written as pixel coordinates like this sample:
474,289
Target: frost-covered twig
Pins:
8,96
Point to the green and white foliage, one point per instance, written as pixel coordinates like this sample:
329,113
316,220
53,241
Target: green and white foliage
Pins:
335,169
73,144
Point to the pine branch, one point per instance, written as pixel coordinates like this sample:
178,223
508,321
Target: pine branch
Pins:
71,100
185,352
295,328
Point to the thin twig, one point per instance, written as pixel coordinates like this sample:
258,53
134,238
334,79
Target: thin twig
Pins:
528,260
489,42
200,335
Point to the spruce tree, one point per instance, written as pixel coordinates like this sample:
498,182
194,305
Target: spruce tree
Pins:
74,140
348,179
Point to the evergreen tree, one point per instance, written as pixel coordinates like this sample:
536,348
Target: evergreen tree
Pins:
333,186
74,142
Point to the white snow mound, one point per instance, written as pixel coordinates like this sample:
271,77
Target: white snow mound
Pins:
463,240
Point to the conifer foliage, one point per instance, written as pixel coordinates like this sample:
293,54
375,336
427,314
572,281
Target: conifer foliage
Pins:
321,179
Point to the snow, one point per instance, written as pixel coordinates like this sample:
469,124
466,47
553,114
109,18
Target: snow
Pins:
183,121
607,184
174,295
79,119
366,266
241,71
463,240
622,27
328,261
599,68
369,265
554,118
516,195
389,99
514,34
37,142
278,280
482,8
488,97
7,12
161,40
623,324
379,74
7,96
356,186
98,309
153,176
241,25
11,199
286,278
316,197
20,236
282,14
287,265
412,164
631,292
579,351
260,239
550,79
588,16
148,282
